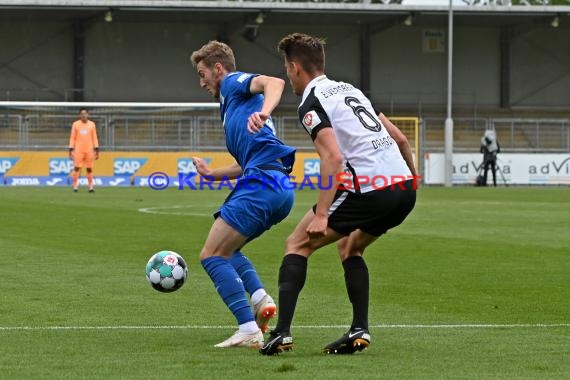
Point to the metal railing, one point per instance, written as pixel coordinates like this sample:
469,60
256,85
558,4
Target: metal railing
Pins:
47,130
40,131
515,135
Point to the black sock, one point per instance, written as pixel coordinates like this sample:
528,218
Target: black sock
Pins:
357,285
292,276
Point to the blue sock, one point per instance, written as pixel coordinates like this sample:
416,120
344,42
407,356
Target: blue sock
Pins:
229,287
246,271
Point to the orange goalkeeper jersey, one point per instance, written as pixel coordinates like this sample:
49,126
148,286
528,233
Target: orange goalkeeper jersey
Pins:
83,136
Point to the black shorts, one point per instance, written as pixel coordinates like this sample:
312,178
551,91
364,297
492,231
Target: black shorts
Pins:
374,212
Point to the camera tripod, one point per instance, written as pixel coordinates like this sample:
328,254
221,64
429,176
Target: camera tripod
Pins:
481,168
502,175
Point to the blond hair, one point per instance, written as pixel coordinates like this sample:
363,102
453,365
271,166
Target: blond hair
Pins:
215,52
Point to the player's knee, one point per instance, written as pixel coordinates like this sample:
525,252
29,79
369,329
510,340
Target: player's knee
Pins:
206,253
299,246
290,243
76,168
89,170
342,245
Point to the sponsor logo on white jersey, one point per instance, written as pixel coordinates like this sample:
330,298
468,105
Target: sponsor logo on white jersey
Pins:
311,120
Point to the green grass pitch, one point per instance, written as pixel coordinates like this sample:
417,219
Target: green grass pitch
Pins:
490,265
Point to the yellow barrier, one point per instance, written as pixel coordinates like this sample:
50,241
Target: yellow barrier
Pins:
409,125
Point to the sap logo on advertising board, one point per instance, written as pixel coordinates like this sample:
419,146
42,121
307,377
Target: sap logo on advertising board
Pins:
60,166
127,166
6,164
186,165
312,167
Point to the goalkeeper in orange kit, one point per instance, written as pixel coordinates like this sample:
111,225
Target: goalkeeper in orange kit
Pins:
83,148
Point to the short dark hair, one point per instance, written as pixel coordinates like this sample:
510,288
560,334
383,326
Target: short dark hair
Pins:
83,109
307,50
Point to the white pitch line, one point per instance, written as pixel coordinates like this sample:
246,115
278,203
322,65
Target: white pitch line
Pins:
179,209
213,327
158,210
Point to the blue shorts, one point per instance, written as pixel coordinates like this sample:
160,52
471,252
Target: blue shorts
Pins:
257,202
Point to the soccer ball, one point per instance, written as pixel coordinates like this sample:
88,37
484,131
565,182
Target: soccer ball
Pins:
166,271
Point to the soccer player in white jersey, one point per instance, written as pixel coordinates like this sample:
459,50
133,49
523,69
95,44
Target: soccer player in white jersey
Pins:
369,162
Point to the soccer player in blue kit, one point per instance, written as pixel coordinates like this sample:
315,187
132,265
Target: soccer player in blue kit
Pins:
263,195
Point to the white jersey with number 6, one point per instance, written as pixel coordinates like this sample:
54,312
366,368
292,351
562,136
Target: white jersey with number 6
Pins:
368,150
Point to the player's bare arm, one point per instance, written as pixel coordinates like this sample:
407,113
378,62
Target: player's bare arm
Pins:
401,140
331,165
271,88
227,172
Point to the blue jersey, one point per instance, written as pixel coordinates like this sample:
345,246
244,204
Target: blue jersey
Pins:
251,150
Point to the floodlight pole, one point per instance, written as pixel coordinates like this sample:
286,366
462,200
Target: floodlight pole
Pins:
449,120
